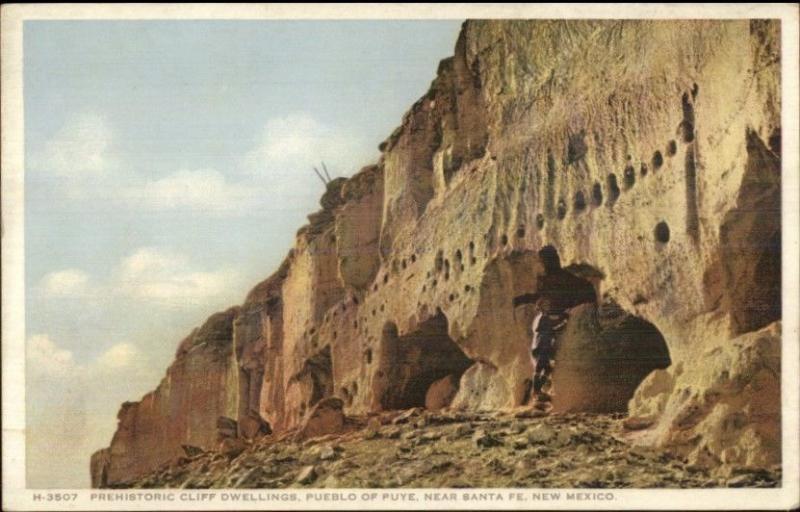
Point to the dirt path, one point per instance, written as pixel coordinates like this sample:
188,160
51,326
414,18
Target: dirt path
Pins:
423,449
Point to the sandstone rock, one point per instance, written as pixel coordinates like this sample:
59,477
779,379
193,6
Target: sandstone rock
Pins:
541,434
430,436
406,416
251,427
519,443
441,393
231,447
482,387
732,401
485,440
192,451
327,453
638,423
326,417
306,475
463,430
226,427
373,428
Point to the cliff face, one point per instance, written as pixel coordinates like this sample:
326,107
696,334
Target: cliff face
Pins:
643,156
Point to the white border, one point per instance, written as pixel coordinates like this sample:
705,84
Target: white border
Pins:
16,497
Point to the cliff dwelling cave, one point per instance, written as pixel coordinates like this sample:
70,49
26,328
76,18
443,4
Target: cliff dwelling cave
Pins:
414,361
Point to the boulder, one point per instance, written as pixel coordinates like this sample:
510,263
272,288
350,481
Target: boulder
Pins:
325,417
441,393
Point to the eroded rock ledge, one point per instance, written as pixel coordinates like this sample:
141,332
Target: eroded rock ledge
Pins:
646,153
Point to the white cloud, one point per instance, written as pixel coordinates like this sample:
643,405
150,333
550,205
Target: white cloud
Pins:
120,355
205,190
47,357
157,275
289,146
65,283
80,148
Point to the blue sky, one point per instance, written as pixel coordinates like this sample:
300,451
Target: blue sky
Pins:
168,166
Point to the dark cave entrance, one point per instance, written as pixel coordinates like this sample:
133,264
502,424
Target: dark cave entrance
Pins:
414,361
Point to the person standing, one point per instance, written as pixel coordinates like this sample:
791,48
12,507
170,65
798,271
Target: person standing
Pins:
546,323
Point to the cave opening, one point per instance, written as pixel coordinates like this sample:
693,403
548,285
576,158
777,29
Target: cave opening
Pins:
604,352
414,362
603,355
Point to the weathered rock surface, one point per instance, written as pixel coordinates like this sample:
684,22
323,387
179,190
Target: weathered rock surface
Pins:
200,386
557,451
643,157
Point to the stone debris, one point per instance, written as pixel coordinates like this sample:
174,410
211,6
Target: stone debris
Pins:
559,451
307,475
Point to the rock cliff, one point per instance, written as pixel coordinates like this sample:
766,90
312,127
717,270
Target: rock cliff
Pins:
630,170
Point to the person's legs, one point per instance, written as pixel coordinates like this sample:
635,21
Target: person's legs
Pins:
541,373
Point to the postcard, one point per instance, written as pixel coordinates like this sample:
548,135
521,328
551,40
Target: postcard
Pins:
365,257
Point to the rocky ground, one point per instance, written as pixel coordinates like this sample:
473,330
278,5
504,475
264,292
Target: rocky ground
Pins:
422,449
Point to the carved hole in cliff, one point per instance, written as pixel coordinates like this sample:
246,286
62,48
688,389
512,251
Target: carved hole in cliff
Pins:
629,176
603,355
643,169
386,279
580,202
613,188
414,361
539,221
657,161
403,264
446,270
576,147
413,258
597,194
686,131
368,355
503,239
661,232
692,210
695,90
520,231
438,263
672,148
562,209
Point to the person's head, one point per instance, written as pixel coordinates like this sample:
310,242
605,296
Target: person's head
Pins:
549,258
543,306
